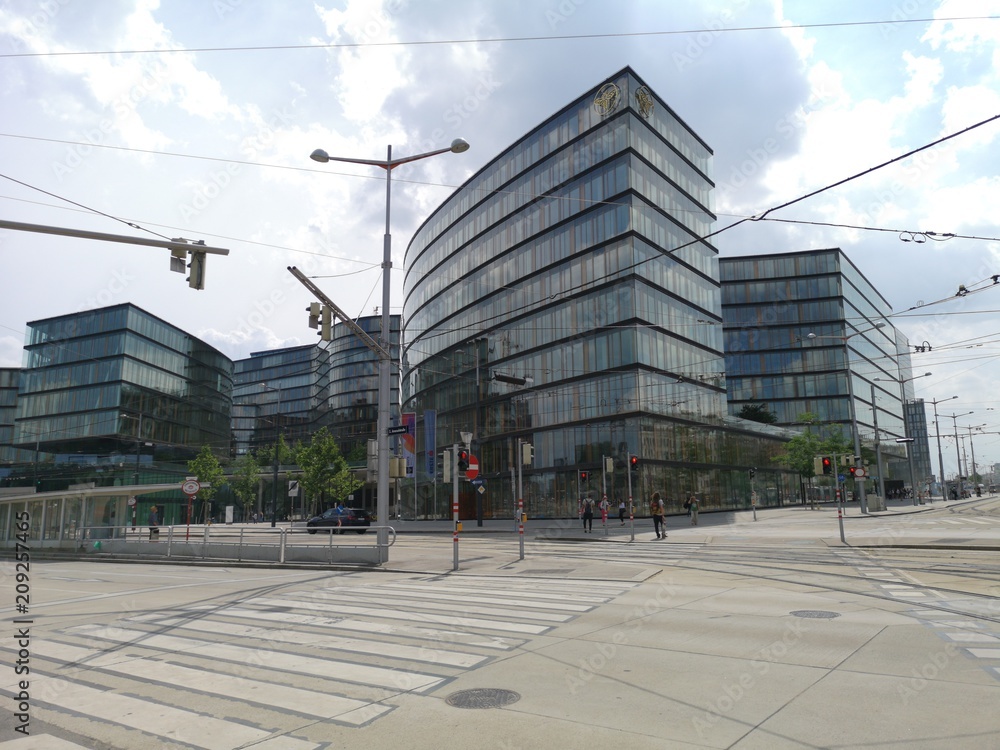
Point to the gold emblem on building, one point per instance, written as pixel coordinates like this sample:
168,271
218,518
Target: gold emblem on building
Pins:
644,101
607,99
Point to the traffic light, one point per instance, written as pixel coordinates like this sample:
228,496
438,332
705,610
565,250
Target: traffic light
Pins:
853,470
314,313
827,465
197,265
753,473
633,462
463,460
527,454
326,332
583,476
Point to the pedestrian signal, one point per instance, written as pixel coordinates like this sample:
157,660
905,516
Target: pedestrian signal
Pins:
827,465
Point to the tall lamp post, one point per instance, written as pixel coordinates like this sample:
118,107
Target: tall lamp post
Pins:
958,454
458,146
859,483
937,430
907,438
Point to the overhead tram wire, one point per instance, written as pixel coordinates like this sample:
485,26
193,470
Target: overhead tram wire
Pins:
501,40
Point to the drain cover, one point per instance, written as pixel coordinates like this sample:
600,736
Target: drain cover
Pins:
815,614
483,698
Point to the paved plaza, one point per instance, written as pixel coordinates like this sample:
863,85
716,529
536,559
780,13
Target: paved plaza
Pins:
736,633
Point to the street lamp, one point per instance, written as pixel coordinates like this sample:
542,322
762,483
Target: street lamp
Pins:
937,430
859,483
458,146
906,429
958,455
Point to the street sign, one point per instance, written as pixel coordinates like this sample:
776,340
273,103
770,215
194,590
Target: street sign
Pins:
400,429
482,490
477,482
293,487
473,471
131,500
190,487
859,473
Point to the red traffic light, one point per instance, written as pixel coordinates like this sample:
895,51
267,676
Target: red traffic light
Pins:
827,465
463,460
853,470
633,462
583,476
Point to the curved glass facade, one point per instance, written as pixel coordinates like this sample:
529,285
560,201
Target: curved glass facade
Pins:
563,297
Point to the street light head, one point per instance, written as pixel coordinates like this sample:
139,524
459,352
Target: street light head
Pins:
880,324
458,146
810,335
320,155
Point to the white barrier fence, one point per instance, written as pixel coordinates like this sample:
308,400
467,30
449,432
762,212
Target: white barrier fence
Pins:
232,543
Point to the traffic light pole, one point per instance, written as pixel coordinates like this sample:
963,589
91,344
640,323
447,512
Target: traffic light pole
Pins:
454,506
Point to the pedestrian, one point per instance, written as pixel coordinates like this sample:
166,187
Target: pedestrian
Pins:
621,511
588,515
154,524
604,506
656,510
692,506
341,512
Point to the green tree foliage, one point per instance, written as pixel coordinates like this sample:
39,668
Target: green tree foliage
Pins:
244,480
207,468
802,449
757,413
325,472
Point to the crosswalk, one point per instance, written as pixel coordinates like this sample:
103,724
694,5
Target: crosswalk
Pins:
287,670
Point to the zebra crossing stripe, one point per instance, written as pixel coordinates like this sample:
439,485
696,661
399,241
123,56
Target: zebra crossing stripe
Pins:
398,614
326,641
306,702
169,723
330,669
436,595
362,597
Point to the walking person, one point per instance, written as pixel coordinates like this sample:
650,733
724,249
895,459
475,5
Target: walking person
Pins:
604,506
692,506
588,515
656,510
621,511
154,524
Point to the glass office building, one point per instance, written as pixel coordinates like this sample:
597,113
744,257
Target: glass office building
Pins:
562,297
797,326
120,396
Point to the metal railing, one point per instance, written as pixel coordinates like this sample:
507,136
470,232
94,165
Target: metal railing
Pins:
293,544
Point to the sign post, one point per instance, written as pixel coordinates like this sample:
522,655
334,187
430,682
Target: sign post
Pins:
190,488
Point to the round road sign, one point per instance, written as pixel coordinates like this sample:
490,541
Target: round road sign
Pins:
473,471
190,487
859,473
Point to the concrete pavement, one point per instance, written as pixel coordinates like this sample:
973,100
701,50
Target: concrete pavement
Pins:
701,641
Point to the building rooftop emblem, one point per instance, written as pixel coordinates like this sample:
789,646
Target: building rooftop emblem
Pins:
607,99
644,101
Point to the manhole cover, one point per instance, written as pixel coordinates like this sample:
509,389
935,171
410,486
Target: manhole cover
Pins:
815,614
483,698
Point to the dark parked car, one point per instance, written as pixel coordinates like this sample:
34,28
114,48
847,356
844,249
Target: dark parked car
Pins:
353,519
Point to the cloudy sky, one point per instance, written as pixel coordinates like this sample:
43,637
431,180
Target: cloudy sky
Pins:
196,120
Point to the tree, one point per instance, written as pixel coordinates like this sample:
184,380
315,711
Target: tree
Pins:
245,479
757,413
206,467
324,470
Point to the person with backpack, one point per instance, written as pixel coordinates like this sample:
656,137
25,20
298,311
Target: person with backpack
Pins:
657,510
588,515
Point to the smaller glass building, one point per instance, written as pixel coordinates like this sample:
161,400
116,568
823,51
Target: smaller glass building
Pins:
106,392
